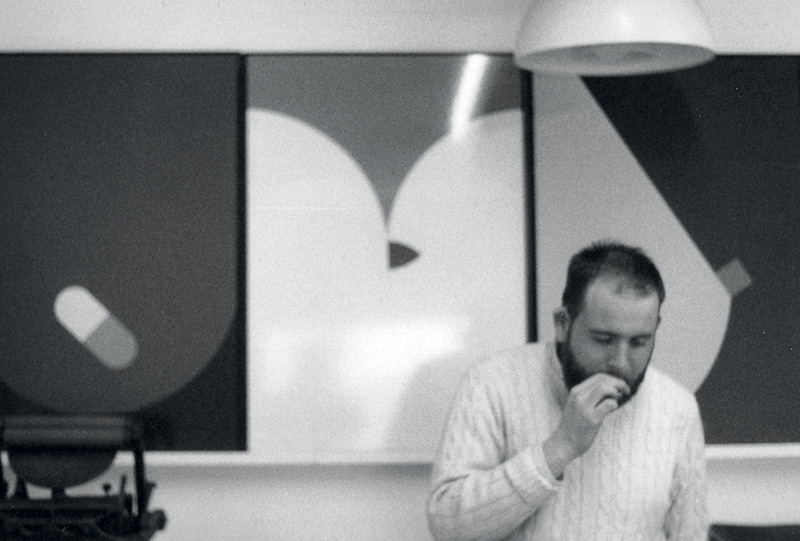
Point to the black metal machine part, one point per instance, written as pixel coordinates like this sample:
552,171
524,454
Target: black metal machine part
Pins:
59,452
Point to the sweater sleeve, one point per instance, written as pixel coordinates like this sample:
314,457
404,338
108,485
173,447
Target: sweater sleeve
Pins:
477,493
688,514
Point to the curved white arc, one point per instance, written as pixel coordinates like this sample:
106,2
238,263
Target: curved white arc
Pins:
316,254
462,208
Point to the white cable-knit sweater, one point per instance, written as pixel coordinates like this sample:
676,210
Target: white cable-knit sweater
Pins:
643,479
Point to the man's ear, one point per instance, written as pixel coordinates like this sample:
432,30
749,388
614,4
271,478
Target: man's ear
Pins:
561,323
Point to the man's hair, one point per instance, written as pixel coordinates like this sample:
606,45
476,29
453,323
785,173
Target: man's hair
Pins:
613,260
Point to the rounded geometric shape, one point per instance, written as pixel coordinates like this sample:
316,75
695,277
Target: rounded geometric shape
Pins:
612,37
60,468
85,318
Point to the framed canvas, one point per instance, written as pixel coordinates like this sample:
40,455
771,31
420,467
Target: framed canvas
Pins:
386,246
699,168
122,219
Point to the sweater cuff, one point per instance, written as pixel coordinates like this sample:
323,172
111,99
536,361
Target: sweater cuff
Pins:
530,475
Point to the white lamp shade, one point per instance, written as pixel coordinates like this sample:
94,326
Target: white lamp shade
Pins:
612,37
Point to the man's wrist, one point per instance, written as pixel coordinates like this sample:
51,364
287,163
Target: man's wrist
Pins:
558,453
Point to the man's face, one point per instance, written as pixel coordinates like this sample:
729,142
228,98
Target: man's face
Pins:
614,334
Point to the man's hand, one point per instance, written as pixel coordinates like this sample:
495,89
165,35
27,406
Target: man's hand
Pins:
587,405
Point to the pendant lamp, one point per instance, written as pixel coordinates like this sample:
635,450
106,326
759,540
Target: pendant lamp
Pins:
612,37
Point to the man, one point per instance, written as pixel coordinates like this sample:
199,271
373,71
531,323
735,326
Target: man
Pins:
578,439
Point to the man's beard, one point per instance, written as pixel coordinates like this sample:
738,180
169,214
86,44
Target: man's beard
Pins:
575,374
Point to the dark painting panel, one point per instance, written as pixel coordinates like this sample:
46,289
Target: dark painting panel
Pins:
121,211
721,142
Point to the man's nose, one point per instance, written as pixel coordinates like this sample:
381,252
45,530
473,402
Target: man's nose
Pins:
618,359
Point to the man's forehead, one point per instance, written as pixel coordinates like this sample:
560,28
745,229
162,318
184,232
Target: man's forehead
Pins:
610,303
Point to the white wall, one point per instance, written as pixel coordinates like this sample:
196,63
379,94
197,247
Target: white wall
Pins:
278,502
360,502
293,503
252,26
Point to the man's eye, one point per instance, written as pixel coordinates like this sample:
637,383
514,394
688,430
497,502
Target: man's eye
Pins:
640,342
602,339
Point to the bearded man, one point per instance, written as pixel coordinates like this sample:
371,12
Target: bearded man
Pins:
581,438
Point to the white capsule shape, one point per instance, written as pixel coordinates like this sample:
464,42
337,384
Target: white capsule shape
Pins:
97,329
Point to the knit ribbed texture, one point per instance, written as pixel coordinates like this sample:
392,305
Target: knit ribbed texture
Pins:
642,479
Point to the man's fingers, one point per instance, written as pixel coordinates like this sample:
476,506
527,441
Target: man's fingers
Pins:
618,384
615,394
602,379
586,408
600,387
606,406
